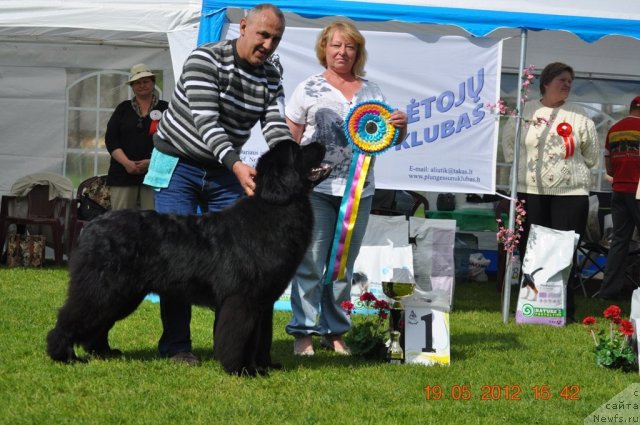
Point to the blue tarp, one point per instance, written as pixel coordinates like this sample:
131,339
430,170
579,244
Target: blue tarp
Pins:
474,21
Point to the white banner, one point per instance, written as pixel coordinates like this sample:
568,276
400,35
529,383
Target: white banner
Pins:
442,83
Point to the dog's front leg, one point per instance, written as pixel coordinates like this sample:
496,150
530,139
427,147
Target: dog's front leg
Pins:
98,344
265,338
236,321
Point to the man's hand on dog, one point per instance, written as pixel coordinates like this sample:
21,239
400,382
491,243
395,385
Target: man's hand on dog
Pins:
245,175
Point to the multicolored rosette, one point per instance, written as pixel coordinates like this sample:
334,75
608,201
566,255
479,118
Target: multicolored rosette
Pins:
368,129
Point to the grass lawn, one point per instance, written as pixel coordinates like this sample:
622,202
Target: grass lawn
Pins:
142,388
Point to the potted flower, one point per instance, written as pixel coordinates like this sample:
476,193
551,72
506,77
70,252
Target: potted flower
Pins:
369,331
613,342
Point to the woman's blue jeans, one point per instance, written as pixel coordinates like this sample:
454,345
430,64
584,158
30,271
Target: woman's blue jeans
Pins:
192,189
316,305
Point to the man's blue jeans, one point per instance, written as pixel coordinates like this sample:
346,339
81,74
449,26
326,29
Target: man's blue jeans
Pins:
192,189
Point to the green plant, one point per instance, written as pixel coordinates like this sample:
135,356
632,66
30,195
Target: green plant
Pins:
612,345
369,331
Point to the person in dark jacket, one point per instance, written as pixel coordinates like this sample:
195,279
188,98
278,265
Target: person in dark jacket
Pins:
129,140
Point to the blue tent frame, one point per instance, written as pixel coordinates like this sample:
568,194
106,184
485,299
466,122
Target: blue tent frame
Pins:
477,23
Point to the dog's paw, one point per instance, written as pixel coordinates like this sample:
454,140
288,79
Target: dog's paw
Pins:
262,371
245,371
108,354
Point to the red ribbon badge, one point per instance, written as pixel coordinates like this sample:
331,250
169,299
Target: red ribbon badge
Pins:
565,131
153,127
155,116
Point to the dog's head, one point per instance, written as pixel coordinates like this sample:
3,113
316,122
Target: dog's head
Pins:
288,170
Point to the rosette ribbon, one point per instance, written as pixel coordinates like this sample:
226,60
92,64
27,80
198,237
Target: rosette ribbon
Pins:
566,132
153,127
368,131
155,116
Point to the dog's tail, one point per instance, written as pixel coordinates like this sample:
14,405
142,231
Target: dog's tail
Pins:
536,271
60,345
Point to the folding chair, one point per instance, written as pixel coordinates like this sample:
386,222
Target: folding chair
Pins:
589,267
591,253
77,222
41,212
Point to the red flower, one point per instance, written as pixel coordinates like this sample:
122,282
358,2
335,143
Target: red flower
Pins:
347,306
367,297
383,314
612,312
626,327
612,345
381,305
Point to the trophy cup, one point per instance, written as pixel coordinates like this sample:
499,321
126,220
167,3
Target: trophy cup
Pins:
397,291
400,287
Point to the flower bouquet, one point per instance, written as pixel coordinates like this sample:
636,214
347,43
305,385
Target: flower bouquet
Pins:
613,342
369,332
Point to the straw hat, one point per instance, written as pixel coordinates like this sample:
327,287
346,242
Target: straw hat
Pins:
138,71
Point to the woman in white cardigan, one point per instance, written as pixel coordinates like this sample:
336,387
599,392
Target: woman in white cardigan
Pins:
559,146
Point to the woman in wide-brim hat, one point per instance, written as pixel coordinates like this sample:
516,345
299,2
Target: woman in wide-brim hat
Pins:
129,140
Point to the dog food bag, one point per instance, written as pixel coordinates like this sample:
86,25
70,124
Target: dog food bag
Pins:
545,274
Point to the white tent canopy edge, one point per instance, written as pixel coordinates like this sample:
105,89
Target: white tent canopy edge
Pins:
40,41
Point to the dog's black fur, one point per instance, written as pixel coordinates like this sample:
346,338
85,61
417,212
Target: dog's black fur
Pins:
237,261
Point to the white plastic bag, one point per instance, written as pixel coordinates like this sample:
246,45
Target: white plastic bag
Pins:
635,318
385,247
433,257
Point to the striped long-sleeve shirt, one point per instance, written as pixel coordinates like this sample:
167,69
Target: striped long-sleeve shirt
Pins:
217,101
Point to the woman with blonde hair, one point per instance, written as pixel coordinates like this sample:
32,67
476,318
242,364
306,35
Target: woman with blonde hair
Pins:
316,112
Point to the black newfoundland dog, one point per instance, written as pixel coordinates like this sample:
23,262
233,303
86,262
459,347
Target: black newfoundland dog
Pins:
237,261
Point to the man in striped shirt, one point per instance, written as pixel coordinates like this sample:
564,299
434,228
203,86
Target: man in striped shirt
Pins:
224,90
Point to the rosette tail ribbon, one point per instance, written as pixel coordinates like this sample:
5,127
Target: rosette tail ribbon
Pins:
368,130
153,127
566,132
347,217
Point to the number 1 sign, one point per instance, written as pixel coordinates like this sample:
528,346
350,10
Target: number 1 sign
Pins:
426,334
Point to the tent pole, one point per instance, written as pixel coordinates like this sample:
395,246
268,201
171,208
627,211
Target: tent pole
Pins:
506,284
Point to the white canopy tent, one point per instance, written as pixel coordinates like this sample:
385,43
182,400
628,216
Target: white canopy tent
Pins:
42,42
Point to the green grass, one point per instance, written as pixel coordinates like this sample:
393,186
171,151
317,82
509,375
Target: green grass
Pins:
141,388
